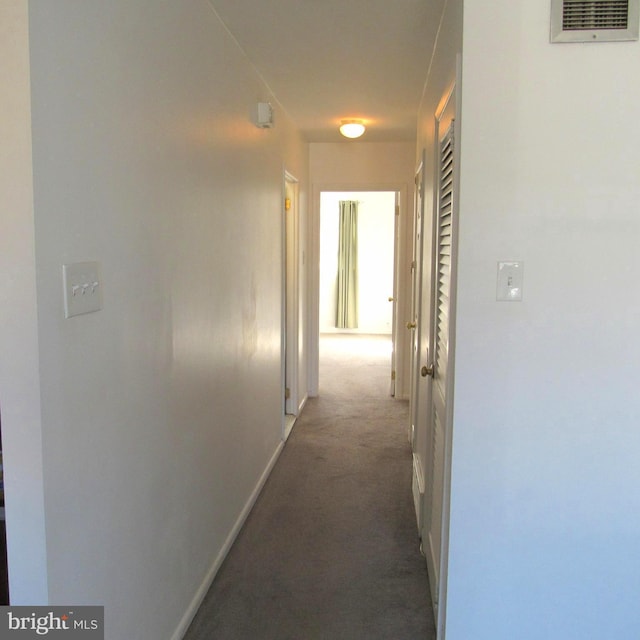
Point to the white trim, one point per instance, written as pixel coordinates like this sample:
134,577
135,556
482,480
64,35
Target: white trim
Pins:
290,321
435,578
200,594
417,487
289,421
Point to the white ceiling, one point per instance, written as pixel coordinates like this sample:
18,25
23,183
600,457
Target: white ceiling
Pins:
331,59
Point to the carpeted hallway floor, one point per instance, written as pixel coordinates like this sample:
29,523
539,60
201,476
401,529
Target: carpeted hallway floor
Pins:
330,550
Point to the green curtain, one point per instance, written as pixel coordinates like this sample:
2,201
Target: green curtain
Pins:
347,304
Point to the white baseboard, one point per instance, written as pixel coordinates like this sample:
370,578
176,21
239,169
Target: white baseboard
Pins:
432,572
417,487
195,603
303,402
289,421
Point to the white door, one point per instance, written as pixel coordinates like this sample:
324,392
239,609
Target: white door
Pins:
291,328
416,401
435,369
393,299
416,300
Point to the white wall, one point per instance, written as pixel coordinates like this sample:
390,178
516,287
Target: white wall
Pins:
545,516
363,166
19,382
376,221
161,412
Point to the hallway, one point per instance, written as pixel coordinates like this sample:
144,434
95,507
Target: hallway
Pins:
331,548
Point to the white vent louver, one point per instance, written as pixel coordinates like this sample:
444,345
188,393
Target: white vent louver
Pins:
594,20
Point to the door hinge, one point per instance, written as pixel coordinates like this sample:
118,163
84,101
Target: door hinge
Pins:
393,375
397,209
287,393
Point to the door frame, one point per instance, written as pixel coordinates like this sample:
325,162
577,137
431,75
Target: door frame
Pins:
400,299
290,302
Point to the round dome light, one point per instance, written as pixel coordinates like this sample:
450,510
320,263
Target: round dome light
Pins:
352,128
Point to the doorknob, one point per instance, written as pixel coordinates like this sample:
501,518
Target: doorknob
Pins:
427,371
411,325
390,299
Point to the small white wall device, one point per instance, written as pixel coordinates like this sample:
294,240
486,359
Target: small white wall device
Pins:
262,115
82,288
510,277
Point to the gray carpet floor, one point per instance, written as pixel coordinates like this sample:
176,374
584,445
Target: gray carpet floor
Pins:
330,550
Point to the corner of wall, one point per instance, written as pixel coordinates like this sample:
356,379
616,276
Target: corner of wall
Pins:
19,362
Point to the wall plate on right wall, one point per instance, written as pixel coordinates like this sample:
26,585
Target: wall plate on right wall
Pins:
594,20
510,280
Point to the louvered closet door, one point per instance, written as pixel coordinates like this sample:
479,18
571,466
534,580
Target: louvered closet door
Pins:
443,286
416,302
444,229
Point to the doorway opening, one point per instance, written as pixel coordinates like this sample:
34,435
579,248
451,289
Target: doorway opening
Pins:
365,323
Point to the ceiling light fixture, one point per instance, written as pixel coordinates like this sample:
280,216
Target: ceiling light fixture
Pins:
352,128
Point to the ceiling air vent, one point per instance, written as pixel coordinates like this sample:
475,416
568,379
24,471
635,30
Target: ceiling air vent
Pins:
594,20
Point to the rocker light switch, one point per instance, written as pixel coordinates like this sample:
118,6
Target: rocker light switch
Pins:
510,276
82,288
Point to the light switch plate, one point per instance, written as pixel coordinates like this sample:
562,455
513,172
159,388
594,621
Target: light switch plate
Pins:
510,279
82,288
